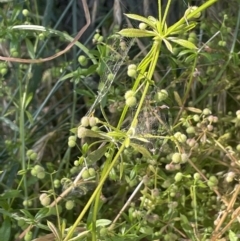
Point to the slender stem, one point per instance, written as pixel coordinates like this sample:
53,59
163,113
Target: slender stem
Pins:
22,101
98,188
156,51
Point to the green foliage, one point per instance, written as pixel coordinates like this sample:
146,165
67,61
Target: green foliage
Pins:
156,157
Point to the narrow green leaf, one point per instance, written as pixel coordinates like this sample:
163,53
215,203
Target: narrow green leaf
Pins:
136,33
194,110
97,155
67,76
177,98
183,28
43,212
232,236
29,116
168,45
27,214
146,230
30,48
54,230
10,194
28,100
183,43
103,222
8,122
141,19
190,58
207,56
89,133
141,149
187,227
127,142
5,230
184,52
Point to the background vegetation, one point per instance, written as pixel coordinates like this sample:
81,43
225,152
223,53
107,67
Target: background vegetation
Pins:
176,175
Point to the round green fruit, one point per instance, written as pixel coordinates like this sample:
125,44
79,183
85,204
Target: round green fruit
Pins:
25,12
178,177
71,143
85,121
69,205
131,101
129,93
82,60
176,157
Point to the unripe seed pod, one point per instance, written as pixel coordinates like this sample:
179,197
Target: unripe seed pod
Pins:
91,172
196,176
210,127
41,36
177,134
182,138
206,111
72,138
103,231
25,203
85,121
29,152
176,157
56,183
229,179
131,73
178,177
29,203
34,172
129,93
131,101
96,36
211,184
161,95
196,118
28,236
238,147
190,130
92,121
192,35
41,175
81,132
42,196
132,66
71,143
25,12
45,201
142,26
69,205
100,39
33,156
110,76
76,163
3,71
85,174
192,40
39,168
184,158
82,60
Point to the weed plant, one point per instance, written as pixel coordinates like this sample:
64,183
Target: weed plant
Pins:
156,157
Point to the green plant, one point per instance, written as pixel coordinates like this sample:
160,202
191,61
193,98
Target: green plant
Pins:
160,162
